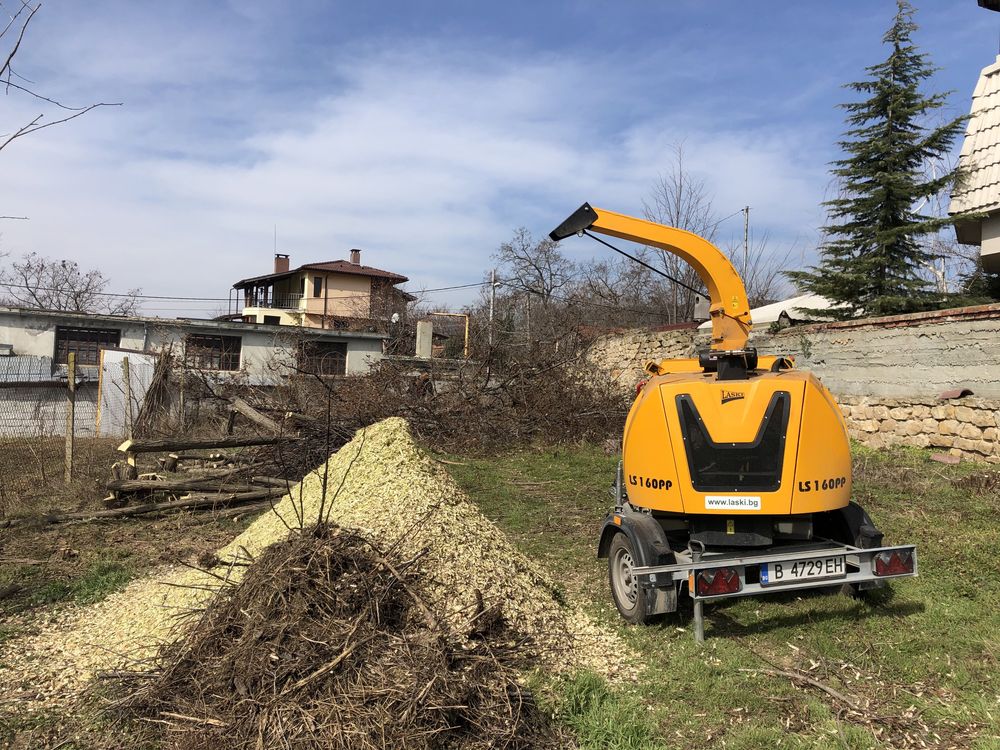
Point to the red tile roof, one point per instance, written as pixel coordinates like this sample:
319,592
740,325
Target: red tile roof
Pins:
331,266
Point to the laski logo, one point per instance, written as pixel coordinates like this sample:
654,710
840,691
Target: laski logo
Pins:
728,396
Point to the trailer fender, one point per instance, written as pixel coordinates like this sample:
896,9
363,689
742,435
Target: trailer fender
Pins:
851,525
848,525
650,545
648,540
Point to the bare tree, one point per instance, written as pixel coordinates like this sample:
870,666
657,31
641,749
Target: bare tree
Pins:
538,268
49,284
762,269
12,36
679,199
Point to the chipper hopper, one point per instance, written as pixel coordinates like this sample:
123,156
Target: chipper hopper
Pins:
735,476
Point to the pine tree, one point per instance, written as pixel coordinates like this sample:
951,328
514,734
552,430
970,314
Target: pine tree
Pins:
872,256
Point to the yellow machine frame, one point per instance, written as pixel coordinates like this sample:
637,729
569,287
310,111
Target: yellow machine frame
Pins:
729,310
815,475
735,478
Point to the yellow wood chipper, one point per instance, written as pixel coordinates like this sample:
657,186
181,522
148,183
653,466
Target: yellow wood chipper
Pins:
735,476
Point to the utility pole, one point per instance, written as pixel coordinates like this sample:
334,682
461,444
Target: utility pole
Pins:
746,241
493,301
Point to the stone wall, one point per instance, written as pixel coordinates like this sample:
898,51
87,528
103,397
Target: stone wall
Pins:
621,354
965,427
888,373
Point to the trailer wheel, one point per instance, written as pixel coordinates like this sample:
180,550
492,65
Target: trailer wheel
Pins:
630,598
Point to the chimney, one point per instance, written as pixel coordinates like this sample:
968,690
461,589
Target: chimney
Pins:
356,257
280,263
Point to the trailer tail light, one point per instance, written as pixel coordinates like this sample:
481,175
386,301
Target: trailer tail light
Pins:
718,581
893,563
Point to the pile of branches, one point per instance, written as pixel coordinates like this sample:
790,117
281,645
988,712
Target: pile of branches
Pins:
470,409
329,643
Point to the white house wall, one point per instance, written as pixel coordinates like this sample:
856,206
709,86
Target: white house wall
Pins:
264,350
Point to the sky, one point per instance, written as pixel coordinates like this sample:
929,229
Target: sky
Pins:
425,132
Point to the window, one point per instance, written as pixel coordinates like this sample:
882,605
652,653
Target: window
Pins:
317,286
86,343
272,320
323,357
212,352
302,287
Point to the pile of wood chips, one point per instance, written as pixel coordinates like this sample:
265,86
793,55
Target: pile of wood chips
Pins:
388,490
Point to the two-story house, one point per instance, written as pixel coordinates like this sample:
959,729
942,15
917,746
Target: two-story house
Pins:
340,294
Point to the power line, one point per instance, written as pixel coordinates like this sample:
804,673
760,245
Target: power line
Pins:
574,301
175,298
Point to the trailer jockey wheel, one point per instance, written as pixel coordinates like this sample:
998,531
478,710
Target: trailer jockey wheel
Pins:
631,599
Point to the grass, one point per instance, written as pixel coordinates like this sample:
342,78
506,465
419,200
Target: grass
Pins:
923,659
103,576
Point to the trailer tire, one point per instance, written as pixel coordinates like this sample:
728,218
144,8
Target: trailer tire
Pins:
631,599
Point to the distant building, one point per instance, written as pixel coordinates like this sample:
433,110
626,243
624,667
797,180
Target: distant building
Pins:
788,312
979,189
260,353
332,294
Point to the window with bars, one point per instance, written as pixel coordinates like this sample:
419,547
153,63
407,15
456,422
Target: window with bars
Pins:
86,343
323,357
206,352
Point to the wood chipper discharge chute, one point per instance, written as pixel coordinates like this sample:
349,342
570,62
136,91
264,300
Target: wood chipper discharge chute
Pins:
735,478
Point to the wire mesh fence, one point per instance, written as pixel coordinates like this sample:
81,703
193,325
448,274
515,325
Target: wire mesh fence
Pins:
60,424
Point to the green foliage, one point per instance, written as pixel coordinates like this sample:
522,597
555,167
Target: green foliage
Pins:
927,642
980,286
102,577
872,258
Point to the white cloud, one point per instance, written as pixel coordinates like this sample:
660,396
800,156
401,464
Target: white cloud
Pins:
426,160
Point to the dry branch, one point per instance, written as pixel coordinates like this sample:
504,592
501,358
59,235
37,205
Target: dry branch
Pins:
191,502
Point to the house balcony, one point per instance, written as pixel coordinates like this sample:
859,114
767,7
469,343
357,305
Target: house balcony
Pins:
278,302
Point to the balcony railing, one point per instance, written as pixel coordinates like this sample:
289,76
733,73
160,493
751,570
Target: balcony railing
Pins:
279,302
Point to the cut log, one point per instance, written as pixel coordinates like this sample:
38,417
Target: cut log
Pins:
255,416
273,481
121,470
167,444
192,502
178,485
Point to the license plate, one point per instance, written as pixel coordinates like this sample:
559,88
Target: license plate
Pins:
793,571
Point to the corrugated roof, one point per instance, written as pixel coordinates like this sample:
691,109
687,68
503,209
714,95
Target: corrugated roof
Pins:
331,266
797,308
980,157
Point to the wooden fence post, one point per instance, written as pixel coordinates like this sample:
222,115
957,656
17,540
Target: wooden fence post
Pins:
127,382
70,414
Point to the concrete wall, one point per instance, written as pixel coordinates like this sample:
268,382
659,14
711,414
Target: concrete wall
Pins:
263,349
903,356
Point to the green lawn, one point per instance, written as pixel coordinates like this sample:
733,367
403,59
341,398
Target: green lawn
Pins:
920,667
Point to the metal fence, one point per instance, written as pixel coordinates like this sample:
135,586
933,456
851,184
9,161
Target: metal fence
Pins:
60,423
